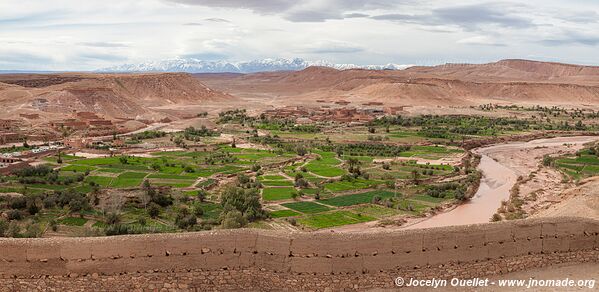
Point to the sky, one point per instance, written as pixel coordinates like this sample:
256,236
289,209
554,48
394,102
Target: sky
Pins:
92,34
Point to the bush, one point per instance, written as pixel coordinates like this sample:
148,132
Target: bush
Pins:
233,219
113,218
14,215
246,201
202,194
186,221
3,227
18,203
292,221
198,211
154,210
496,217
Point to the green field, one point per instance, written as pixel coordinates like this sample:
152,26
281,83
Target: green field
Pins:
73,221
356,199
276,194
103,181
332,219
375,211
283,213
356,184
128,180
307,207
584,165
325,166
277,183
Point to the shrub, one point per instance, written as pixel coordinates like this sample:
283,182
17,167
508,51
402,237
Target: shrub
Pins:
154,210
3,227
113,218
14,215
246,201
233,219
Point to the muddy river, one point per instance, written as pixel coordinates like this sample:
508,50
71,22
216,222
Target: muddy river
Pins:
501,165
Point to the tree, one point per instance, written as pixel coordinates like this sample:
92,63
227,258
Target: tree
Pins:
233,219
202,194
301,150
246,201
415,177
154,210
113,218
198,211
3,227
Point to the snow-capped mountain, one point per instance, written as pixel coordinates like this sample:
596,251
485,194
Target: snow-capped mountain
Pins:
264,65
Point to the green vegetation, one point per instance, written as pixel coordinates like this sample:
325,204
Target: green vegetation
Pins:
277,194
355,199
585,163
307,207
337,218
283,213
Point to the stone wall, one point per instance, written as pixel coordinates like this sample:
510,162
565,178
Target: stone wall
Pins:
242,259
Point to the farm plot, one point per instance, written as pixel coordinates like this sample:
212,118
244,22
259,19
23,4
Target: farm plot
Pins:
283,213
356,199
355,184
128,180
307,207
333,219
326,166
278,193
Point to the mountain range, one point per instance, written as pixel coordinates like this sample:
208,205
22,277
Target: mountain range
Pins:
191,65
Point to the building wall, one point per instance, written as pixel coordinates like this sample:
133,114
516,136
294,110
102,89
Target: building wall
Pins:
371,260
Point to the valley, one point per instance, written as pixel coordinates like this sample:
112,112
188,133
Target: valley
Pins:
312,150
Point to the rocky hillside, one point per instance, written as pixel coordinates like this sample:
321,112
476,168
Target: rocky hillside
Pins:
113,95
507,81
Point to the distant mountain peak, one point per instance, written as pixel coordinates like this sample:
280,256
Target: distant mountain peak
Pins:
191,65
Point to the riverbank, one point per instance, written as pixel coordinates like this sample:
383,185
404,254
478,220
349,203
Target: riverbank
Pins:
501,166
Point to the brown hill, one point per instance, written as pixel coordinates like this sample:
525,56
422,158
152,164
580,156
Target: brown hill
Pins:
507,81
113,95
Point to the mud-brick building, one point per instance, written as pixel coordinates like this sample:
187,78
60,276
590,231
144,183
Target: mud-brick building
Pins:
10,164
10,137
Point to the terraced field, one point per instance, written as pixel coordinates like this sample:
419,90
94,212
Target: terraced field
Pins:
584,164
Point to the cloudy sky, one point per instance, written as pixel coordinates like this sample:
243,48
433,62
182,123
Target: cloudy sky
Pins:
91,34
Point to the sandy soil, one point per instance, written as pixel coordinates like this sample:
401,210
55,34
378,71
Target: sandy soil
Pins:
581,201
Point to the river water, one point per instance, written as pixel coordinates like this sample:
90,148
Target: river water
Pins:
498,178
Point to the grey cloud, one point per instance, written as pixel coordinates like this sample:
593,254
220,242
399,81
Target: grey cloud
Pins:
104,44
336,50
215,19
579,17
295,11
312,16
470,17
102,57
14,57
474,15
207,56
193,24
355,15
261,6
332,47
572,38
